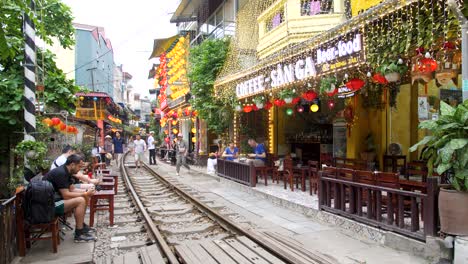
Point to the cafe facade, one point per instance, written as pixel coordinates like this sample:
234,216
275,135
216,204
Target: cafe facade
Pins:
357,90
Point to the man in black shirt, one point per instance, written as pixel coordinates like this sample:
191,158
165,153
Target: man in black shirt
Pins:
61,179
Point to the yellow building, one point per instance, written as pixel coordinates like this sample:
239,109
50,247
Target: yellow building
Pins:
299,46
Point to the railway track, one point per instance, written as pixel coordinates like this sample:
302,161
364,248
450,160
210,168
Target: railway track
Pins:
184,227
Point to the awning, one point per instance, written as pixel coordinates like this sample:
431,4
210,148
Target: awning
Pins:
93,94
162,45
186,11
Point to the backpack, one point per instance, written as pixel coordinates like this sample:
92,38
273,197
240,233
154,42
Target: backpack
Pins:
39,204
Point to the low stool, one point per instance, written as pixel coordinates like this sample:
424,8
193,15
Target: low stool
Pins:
109,206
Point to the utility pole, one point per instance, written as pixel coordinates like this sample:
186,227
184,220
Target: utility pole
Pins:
92,76
452,5
29,75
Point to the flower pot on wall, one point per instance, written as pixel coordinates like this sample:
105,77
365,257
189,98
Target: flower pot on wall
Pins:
453,212
288,100
393,77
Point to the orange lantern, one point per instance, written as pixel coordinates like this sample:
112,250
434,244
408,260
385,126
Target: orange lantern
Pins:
62,126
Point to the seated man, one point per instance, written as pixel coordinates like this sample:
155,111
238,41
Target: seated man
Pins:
70,200
60,160
259,155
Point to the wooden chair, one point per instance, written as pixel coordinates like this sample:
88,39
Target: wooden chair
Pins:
416,169
394,163
313,173
289,174
94,206
263,171
33,232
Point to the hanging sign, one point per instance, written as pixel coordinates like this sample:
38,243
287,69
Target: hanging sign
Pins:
342,52
345,92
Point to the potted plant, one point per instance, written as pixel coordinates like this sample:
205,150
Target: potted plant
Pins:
328,86
369,154
393,71
446,151
35,154
259,101
287,95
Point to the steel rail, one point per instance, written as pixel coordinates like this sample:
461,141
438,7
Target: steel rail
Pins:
230,225
166,250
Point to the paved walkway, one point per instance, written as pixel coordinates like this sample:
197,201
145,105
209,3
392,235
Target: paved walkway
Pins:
69,252
262,214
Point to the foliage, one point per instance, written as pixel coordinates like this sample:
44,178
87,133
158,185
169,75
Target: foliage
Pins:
53,20
392,67
287,93
259,99
85,150
394,89
325,83
390,37
372,96
447,148
35,154
206,60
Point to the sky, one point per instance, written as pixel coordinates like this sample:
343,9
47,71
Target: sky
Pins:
131,27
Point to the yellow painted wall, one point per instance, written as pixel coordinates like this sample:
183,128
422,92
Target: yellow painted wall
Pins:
296,28
358,5
356,137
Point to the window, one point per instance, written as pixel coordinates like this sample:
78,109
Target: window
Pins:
316,7
276,20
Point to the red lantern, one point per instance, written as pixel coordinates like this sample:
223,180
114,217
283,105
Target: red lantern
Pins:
69,129
279,102
268,105
194,113
62,127
355,84
55,121
187,112
166,140
248,108
296,100
254,107
309,95
427,65
331,104
379,78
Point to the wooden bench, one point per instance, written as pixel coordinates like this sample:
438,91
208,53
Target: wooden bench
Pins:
33,232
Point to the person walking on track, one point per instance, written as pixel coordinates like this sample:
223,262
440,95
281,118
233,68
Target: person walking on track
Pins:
181,154
139,150
152,149
117,147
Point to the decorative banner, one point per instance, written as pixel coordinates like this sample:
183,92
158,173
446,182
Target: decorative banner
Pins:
337,54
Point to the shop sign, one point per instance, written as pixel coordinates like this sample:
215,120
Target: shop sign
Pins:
335,55
345,92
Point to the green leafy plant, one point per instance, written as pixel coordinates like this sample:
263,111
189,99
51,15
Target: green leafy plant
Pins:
446,149
287,93
32,153
259,99
206,60
392,67
326,83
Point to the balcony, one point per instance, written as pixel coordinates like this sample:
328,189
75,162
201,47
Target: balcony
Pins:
292,21
90,114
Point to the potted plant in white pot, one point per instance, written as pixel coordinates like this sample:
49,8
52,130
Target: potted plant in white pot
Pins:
446,151
259,101
393,71
287,95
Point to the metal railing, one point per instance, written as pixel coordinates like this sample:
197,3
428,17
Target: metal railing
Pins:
8,248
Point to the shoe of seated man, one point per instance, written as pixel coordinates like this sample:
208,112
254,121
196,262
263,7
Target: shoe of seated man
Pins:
81,237
88,229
